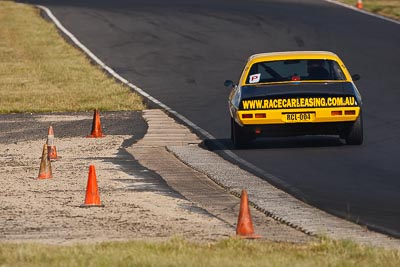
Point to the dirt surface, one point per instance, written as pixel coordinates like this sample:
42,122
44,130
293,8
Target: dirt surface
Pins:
138,203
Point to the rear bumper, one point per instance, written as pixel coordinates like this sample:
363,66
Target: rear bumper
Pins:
323,121
280,116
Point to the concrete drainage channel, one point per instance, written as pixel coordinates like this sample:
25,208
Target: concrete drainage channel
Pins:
152,152
214,184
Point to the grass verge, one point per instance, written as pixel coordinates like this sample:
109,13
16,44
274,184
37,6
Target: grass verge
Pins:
387,8
230,252
41,72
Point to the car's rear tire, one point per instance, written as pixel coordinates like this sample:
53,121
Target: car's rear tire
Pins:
239,137
355,135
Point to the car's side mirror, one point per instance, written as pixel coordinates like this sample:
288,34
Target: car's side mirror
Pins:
228,83
356,77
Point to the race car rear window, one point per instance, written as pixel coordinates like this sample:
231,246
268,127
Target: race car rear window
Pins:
294,70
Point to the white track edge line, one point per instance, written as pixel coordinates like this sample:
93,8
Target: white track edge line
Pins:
362,11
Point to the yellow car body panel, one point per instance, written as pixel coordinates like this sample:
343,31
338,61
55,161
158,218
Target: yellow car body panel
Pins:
280,116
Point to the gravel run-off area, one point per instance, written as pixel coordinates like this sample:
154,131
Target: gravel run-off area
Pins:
138,205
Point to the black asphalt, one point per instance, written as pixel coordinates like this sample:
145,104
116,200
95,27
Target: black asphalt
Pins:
180,52
23,127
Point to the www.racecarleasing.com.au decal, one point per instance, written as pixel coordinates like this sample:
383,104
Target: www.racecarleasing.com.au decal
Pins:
302,102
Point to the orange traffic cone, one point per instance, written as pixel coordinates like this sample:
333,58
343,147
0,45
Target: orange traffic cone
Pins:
244,228
92,192
51,148
45,165
96,126
359,4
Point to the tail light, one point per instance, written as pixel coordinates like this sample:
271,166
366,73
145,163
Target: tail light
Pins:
336,113
247,116
349,112
260,115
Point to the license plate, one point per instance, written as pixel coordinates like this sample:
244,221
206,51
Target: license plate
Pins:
298,117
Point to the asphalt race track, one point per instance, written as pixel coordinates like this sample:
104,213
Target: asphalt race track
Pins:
181,51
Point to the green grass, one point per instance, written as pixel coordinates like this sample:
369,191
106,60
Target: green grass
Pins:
387,8
230,252
41,72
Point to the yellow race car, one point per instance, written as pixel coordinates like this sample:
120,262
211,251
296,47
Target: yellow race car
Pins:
293,94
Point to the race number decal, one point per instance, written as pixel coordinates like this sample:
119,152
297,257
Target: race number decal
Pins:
255,78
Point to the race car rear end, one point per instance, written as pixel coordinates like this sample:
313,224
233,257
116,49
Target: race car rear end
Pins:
279,95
